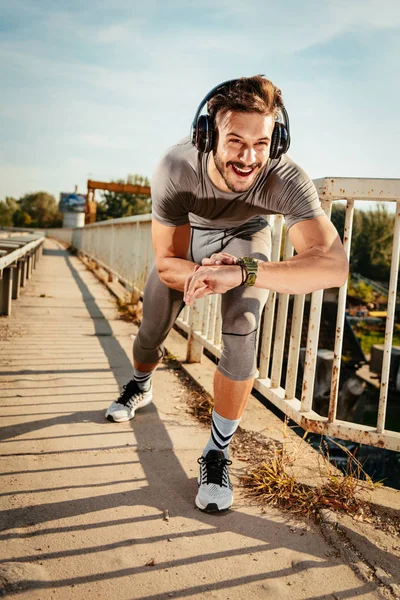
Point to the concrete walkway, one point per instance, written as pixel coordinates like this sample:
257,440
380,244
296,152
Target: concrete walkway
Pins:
83,500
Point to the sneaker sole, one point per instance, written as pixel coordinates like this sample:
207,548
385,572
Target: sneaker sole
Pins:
142,404
114,420
212,507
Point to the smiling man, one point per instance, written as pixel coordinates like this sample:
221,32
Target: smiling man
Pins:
212,195
237,163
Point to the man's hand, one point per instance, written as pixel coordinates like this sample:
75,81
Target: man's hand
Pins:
214,279
221,258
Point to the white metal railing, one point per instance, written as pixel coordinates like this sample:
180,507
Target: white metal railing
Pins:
18,258
124,247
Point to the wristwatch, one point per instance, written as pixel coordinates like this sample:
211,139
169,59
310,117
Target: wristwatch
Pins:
249,266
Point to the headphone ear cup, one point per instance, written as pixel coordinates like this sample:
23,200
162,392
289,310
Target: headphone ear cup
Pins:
203,134
275,141
280,141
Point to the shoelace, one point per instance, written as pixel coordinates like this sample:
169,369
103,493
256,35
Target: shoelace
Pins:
131,398
215,471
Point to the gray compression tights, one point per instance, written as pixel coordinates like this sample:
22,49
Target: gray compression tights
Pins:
241,307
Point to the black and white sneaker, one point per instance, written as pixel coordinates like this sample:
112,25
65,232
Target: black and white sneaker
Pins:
130,399
215,489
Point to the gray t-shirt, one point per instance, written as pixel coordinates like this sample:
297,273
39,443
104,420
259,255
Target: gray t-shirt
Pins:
182,192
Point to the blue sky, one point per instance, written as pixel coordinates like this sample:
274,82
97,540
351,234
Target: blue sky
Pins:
101,89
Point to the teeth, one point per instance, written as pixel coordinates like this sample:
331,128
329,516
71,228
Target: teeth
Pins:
243,170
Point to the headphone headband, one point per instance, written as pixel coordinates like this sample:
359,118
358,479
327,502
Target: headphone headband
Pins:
202,129
208,97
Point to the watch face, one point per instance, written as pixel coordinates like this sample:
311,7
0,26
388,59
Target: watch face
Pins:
251,279
251,265
248,261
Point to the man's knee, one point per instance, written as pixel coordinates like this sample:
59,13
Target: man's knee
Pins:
238,358
145,352
241,318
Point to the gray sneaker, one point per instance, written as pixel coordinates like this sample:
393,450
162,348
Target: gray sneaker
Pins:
130,399
215,488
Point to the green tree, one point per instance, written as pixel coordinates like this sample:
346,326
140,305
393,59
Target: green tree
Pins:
115,205
362,290
372,246
22,219
42,209
372,239
7,208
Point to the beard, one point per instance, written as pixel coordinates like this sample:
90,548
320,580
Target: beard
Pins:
233,182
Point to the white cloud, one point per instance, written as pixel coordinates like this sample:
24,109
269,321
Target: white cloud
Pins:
105,87
96,140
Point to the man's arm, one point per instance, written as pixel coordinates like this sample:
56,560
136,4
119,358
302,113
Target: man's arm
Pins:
320,262
171,245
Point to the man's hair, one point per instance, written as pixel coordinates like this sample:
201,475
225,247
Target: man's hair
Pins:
247,94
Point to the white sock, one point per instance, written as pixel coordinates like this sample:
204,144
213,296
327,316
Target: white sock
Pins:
222,431
143,379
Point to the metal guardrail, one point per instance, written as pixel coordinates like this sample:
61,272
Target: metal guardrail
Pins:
19,255
124,248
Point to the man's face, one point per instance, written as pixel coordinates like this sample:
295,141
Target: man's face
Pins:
242,150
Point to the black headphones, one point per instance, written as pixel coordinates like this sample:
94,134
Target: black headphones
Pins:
202,130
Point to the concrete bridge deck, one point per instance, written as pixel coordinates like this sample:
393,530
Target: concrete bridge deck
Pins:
83,500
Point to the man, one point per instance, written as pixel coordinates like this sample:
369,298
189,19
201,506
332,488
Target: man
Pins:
210,195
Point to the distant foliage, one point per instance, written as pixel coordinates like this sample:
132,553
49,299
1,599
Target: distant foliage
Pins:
362,290
372,240
115,205
7,210
38,209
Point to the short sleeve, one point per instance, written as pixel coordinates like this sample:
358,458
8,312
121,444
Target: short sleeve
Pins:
170,201
296,195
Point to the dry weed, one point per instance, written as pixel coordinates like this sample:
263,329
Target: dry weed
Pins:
201,406
273,483
271,476
130,307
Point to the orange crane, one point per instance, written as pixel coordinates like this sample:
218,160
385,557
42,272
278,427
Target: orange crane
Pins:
91,205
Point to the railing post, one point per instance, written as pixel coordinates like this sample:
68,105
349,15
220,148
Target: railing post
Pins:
195,348
337,356
6,291
269,311
294,345
390,320
17,279
314,322
28,267
24,265
280,327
